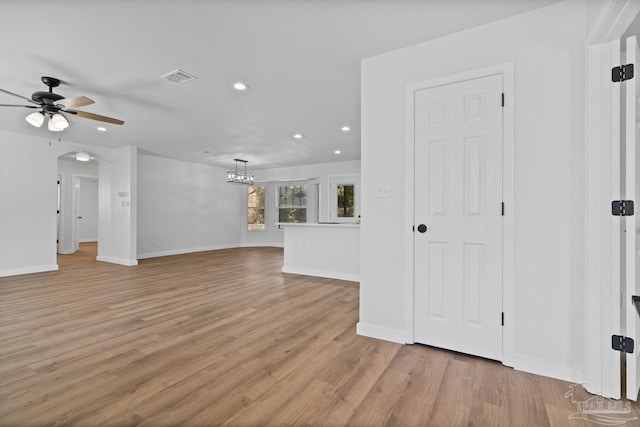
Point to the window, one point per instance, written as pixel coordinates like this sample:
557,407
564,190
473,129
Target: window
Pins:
346,200
255,208
292,203
344,205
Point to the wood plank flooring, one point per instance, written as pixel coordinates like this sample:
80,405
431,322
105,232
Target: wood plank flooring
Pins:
225,338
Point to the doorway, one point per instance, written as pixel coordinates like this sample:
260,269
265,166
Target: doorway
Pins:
458,205
79,197
87,208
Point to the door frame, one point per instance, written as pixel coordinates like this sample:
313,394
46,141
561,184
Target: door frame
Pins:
506,69
602,231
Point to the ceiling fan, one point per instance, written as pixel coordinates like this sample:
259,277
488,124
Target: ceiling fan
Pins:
56,106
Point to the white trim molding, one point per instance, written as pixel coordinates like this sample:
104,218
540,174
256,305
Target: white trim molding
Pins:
547,368
602,231
613,20
121,261
382,333
322,273
28,270
184,251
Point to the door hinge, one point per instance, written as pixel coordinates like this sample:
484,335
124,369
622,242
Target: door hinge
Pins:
620,343
502,208
502,319
622,207
502,99
622,73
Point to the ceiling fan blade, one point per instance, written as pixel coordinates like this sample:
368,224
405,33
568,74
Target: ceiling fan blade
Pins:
79,101
19,96
93,116
14,105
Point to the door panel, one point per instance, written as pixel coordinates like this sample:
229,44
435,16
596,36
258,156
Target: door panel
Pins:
438,262
439,189
458,196
632,243
474,284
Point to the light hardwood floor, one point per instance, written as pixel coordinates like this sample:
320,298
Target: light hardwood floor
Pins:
225,338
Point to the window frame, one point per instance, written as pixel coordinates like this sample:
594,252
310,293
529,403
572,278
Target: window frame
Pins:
263,208
305,185
334,183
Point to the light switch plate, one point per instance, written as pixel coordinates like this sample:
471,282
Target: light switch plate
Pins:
384,192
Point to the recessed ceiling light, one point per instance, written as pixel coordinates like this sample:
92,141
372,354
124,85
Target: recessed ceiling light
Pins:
345,129
337,152
297,136
240,86
101,129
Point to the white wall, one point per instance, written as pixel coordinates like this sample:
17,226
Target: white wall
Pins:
322,250
272,236
28,204
185,207
117,183
547,48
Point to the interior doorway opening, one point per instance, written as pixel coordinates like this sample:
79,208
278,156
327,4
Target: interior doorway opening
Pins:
78,201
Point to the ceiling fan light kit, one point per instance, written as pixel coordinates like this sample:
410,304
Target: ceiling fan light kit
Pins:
55,105
58,122
35,119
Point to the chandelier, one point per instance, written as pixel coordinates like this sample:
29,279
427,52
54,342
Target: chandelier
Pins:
236,177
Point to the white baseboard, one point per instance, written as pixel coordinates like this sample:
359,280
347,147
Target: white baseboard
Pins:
184,251
322,273
121,261
28,270
547,368
261,245
91,239
382,333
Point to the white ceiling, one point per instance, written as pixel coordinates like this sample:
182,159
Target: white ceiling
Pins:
301,60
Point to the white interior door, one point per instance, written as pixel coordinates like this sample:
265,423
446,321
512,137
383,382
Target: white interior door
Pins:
458,216
58,214
632,242
76,218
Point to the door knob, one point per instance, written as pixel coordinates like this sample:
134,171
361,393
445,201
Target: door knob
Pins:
422,228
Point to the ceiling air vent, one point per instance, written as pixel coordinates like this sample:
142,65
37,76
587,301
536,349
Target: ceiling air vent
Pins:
179,77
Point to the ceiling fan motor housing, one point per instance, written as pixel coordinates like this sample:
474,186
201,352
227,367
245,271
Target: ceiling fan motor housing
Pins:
46,100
